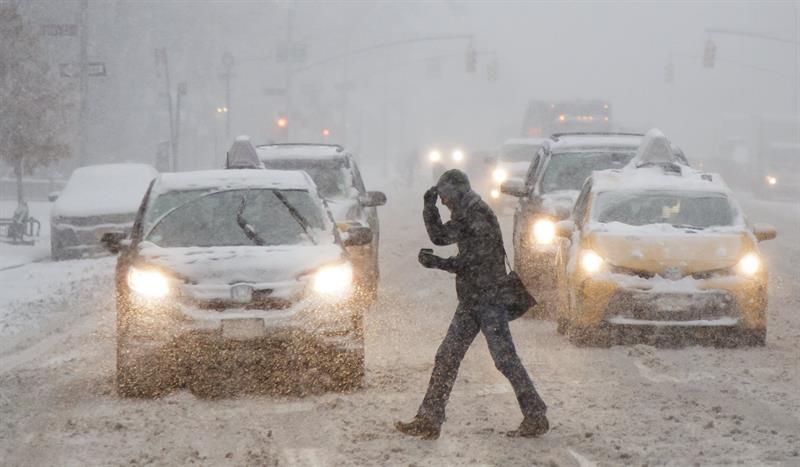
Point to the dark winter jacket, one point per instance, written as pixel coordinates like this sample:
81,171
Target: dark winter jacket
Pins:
479,265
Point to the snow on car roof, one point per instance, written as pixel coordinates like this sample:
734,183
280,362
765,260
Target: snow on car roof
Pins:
298,151
579,142
96,190
656,178
524,141
234,179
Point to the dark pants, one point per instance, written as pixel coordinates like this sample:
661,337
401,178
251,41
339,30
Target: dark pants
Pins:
466,324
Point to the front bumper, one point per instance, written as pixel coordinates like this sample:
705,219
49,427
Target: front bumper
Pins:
150,324
622,300
78,241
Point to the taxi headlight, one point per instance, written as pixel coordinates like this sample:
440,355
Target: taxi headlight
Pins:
500,175
434,156
334,281
591,261
148,283
749,264
458,155
544,231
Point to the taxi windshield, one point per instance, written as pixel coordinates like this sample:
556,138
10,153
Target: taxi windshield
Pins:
693,210
568,170
217,219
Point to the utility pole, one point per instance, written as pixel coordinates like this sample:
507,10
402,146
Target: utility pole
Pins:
83,87
178,100
227,65
289,49
161,58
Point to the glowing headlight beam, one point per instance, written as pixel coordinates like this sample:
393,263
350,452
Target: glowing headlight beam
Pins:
148,283
749,264
495,193
771,180
591,261
335,281
500,175
544,231
435,156
458,155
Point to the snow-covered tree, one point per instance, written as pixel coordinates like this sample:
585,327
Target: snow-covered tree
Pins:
33,106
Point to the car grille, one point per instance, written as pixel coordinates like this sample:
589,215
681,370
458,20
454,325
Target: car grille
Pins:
650,274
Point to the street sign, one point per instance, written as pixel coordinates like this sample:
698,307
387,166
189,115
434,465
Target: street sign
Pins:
69,30
96,69
72,70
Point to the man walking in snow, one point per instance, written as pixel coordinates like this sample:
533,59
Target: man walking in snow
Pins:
480,268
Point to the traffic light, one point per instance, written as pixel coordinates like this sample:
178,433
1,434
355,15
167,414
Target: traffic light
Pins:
709,54
491,71
471,62
326,132
669,73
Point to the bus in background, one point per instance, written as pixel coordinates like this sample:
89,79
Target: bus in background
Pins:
543,118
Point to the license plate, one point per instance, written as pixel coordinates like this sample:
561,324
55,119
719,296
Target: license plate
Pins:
243,329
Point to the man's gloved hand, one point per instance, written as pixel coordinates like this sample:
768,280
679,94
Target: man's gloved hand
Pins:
428,259
430,196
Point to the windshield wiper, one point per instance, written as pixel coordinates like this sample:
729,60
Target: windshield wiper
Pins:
248,229
295,214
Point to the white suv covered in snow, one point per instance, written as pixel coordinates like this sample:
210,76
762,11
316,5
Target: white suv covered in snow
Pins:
227,268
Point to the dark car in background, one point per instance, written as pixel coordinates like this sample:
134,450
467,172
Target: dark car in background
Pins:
339,181
97,199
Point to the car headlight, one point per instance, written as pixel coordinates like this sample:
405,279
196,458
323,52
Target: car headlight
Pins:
435,156
500,175
458,155
772,180
544,231
591,261
334,281
495,193
148,283
749,264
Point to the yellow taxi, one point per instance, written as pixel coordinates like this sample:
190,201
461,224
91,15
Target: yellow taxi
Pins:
659,249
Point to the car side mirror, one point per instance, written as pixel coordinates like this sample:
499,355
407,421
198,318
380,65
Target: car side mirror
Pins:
514,187
565,228
53,196
114,241
357,236
764,232
372,199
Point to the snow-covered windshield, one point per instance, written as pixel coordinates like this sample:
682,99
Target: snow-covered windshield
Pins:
677,208
330,176
211,220
568,170
518,152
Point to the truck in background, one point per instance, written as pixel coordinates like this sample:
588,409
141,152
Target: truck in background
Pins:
543,118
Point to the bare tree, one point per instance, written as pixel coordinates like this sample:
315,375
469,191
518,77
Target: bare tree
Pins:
34,109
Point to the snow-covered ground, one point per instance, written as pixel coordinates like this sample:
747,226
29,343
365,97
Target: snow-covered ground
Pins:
634,405
14,255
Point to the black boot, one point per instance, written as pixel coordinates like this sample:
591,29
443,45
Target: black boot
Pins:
531,427
419,426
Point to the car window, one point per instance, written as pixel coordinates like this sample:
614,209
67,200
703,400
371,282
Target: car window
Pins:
568,170
677,208
330,175
211,220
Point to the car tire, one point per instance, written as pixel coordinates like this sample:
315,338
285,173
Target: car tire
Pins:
144,376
